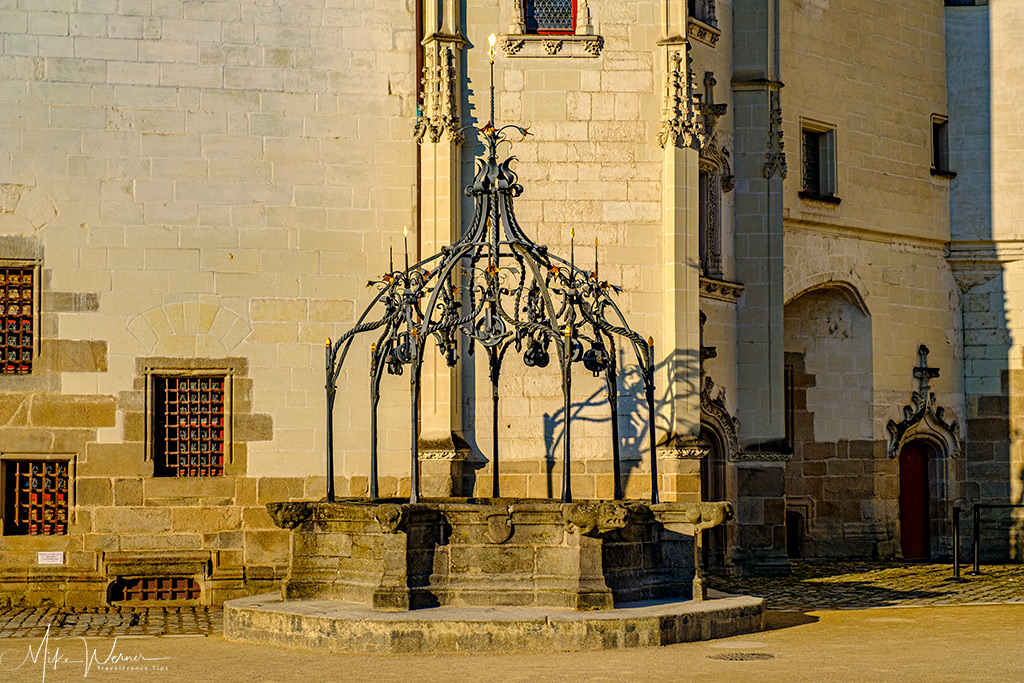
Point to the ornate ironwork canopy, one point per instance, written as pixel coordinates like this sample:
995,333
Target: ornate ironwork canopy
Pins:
496,288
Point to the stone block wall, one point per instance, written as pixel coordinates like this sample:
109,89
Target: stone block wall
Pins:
205,185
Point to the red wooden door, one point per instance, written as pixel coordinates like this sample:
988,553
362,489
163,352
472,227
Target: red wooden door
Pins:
915,532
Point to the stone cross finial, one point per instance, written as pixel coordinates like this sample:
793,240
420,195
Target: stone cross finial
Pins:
923,373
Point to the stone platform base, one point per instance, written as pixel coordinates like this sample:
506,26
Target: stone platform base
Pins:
331,626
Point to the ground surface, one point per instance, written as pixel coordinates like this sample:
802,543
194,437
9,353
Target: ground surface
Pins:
923,628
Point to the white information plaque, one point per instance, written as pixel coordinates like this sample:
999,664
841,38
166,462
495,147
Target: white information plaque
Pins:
50,557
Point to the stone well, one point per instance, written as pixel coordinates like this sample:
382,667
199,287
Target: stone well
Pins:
393,555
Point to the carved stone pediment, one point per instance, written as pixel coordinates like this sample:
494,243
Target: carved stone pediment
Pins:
923,418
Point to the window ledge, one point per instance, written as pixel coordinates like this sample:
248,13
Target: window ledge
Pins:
702,33
552,45
816,197
943,173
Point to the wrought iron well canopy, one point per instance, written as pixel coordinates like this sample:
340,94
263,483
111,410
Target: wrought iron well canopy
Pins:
497,288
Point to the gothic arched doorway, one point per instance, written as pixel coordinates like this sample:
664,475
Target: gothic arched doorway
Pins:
915,518
712,488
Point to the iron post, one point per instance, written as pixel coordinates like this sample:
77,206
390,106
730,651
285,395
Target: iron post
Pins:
975,545
374,400
331,392
956,542
613,400
495,370
567,407
655,498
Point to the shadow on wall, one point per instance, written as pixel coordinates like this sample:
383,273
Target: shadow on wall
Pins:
980,217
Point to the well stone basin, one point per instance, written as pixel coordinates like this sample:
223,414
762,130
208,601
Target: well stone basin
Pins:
471,552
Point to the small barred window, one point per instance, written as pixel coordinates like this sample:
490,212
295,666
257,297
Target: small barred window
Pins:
189,422
36,497
17,313
551,16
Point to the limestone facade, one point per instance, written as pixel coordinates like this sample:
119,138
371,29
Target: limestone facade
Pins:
205,187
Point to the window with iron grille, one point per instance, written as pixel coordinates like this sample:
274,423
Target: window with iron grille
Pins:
551,16
189,422
36,495
17,317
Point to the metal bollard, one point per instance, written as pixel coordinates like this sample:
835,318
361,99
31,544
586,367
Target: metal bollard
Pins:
956,542
974,541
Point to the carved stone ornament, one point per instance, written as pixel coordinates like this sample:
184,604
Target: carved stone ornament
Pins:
714,412
704,515
512,46
685,448
534,45
594,519
774,156
712,153
290,515
679,124
761,456
390,517
439,114
923,418
499,524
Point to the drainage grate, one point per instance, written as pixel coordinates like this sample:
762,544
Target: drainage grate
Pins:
742,656
160,588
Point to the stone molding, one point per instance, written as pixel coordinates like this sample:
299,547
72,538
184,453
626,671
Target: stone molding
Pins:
720,290
686,448
547,45
762,456
702,33
443,454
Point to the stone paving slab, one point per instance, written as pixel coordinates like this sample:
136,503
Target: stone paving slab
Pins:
860,585
110,621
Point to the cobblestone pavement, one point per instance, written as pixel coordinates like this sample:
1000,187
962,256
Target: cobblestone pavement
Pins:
812,586
111,621
856,585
